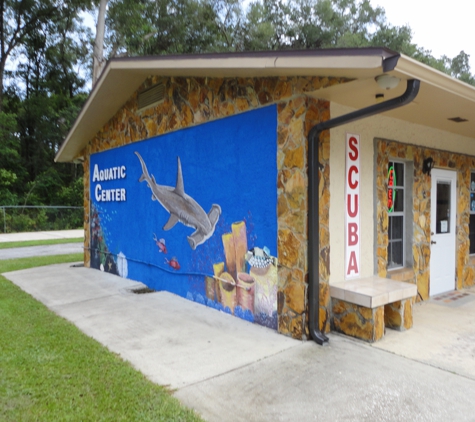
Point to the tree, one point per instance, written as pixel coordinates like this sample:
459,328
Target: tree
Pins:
43,96
11,171
98,59
460,68
18,18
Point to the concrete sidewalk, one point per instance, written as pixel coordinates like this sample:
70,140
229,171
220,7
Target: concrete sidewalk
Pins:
228,369
42,250
55,234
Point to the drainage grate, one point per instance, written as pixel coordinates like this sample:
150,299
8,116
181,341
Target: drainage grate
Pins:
142,290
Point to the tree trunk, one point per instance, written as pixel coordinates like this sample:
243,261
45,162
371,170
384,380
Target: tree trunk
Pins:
99,61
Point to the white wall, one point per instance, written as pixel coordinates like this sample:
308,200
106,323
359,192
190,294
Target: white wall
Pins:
368,129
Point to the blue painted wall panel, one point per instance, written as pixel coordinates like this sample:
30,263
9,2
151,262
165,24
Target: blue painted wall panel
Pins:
228,175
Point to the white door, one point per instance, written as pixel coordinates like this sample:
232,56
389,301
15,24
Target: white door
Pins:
443,210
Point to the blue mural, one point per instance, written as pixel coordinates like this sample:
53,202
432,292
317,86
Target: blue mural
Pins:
194,212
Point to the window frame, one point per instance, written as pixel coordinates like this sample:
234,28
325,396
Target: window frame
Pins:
401,192
471,210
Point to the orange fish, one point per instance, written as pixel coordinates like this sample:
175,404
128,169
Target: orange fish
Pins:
173,263
162,248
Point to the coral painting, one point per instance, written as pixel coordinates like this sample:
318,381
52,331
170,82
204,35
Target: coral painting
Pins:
250,295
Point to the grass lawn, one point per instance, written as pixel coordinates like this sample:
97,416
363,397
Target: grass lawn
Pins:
51,371
8,245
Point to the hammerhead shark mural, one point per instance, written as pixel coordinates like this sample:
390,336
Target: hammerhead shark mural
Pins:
182,208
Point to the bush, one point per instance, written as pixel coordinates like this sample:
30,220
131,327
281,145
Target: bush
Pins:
25,219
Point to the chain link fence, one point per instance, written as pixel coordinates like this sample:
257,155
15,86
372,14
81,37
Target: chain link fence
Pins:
30,218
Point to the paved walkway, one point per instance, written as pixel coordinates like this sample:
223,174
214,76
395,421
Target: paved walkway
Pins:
228,369
57,234
43,250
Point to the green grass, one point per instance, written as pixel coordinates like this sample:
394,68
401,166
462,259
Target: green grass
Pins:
51,371
20,244
7,265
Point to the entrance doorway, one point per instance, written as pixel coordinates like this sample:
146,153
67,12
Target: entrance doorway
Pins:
443,211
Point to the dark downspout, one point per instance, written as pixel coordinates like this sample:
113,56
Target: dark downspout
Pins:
313,255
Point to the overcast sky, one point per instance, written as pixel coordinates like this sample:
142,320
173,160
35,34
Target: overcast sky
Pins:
442,27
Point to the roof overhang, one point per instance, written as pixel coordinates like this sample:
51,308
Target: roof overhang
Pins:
441,97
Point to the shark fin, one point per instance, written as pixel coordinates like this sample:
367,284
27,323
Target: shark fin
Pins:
153,197
171,222
180,187
142,178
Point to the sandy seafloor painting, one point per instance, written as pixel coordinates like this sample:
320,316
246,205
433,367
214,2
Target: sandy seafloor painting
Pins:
194,212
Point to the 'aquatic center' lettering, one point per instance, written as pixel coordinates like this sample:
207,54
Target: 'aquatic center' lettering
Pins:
112,173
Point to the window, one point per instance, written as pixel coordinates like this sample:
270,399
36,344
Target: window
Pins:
396,210
472,214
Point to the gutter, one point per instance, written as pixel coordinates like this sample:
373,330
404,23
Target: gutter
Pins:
313,253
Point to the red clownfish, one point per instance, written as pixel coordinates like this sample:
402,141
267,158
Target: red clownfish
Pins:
162,248
173,263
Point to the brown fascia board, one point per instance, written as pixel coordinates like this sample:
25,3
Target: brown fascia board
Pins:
123,76
324,52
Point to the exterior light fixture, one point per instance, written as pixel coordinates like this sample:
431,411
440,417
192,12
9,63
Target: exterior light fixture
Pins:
427,165
387,81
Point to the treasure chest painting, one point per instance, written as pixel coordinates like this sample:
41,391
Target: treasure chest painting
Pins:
194,212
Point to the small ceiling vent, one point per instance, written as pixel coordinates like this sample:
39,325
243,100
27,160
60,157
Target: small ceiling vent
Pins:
151,96
458,119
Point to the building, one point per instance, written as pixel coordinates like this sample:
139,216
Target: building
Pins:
200,180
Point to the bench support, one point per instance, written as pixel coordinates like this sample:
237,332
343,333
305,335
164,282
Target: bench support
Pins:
398,315
363,308
358,321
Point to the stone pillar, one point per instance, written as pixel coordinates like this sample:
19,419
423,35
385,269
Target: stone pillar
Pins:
357,321
398,315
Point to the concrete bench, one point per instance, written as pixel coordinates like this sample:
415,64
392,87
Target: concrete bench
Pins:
364,307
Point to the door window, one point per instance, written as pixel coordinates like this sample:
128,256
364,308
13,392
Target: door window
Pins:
443,208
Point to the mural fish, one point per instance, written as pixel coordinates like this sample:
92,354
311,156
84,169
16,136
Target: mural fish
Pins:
182,207
259,258
173,263
162,248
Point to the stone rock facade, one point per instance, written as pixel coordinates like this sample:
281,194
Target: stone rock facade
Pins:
358,321
398,315
192,101
421,197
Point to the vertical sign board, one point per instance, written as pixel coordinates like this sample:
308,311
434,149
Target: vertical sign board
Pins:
352,213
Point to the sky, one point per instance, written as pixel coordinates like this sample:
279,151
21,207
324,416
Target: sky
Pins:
446,28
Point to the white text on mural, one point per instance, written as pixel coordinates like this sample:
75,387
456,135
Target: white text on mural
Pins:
104,175
352,214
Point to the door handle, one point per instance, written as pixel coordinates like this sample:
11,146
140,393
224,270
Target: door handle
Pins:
432,242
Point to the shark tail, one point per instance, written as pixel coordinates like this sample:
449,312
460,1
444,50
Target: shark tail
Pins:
145,174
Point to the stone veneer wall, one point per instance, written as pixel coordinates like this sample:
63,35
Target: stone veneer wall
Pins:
191,101
421,190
